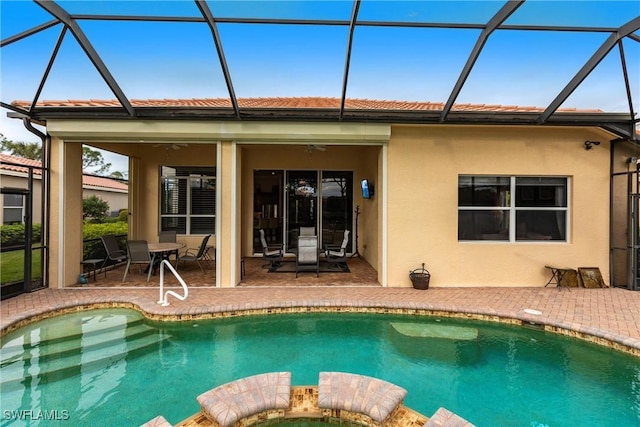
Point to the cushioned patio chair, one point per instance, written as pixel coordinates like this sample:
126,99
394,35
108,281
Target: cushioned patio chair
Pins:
112,248
271,252
195,255
307,231
307,257
138,253
337,255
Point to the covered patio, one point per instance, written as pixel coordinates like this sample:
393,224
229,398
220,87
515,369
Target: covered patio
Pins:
361,274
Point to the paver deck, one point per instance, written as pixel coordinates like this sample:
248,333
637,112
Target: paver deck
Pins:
609,315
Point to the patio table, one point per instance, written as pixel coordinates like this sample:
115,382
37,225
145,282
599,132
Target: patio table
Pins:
160,251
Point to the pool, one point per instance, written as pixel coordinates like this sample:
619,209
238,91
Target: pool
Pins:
131,369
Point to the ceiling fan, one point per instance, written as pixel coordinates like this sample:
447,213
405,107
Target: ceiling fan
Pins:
175,146
310,147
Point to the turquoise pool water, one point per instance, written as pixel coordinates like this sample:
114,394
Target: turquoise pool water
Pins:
114,368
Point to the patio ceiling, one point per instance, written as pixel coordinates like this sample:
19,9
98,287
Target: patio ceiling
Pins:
575,62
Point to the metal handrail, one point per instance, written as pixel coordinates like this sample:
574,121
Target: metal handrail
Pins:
164,295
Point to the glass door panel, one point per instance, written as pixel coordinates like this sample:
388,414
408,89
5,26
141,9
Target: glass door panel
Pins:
337,207
267,207
302,204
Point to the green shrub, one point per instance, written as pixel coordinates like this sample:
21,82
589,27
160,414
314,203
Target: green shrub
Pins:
94,208
93,247
123,215
13,235
94,231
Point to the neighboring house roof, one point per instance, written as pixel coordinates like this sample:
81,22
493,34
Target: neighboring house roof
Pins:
95,182
295,102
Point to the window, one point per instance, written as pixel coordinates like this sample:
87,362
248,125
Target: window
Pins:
188,199
12,208
488,209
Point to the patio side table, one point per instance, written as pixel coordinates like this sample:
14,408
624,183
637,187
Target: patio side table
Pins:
92,265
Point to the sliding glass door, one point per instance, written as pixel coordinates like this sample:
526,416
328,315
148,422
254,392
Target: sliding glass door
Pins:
285,201
302,204
337,207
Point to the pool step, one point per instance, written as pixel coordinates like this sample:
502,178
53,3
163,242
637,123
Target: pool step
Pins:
70,327
51,349
101,345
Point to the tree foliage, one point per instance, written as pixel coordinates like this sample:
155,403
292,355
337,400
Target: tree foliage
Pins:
28,150
92,159
94,208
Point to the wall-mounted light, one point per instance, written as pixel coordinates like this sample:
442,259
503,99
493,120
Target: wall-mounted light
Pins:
588,145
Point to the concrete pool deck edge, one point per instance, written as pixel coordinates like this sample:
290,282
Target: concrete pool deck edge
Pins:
607,317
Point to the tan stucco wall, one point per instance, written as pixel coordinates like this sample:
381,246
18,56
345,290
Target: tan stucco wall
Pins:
417,196
423,168
66,214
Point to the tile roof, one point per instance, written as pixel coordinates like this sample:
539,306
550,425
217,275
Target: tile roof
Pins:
87,180
293,103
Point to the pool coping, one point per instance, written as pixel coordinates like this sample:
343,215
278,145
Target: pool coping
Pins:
524,317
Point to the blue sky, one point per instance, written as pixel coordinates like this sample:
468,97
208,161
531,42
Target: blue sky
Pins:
178,60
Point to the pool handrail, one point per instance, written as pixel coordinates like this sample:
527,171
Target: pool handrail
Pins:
165,295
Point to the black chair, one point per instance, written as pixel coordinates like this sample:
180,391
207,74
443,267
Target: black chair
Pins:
169,237
193,255
337,255
112,248
138,253
271,252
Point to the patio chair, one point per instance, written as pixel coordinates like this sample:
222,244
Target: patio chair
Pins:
195,254
112,248
138,253
337,255
307,257
271,252
169,237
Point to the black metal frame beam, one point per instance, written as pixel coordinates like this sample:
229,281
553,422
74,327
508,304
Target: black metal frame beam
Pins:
591,63
47,70
69,21
28,32
62,15
493,23
341,22
347,60
206,13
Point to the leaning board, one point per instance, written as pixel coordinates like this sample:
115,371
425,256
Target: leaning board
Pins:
591,277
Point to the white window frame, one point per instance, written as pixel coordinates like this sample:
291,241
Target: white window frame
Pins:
12,208
513,209
188,215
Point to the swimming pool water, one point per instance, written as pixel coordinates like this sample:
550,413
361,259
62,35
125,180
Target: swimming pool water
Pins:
490,374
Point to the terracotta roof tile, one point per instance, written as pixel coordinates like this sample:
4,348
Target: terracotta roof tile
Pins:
294,102
96,181
21,161
90,180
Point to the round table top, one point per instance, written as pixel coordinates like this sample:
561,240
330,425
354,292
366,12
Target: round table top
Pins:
164,246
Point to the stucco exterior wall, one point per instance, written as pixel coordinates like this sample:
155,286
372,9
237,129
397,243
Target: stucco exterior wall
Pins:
423,167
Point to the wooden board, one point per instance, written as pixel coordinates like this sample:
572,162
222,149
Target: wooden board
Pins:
591,277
